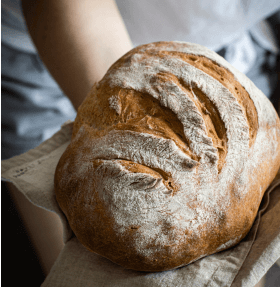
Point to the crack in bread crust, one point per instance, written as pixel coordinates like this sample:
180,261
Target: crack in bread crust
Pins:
168,161
161,75
210,67
227,79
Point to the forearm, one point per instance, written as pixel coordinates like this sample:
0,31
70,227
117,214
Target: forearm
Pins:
44,228
77,40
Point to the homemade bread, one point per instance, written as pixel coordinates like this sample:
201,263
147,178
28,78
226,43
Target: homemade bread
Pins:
171,154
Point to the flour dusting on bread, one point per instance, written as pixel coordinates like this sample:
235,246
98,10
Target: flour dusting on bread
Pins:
171,154
115,104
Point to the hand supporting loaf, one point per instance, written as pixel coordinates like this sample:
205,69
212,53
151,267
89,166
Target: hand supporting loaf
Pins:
170,156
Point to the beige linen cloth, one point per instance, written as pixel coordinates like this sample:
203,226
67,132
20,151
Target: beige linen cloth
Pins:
243,265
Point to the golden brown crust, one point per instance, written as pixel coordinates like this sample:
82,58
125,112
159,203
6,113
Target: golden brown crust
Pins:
170,165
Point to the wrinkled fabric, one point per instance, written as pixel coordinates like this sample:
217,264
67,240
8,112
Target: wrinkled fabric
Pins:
243,265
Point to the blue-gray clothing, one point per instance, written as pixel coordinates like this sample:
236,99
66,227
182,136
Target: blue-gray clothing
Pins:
34,107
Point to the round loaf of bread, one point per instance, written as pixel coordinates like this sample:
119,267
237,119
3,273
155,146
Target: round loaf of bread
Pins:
170,156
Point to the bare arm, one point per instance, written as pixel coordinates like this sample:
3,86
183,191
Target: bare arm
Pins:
44,229
77,40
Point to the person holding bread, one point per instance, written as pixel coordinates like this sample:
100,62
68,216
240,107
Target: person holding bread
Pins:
64,47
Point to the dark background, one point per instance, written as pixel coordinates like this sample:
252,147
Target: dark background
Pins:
20,264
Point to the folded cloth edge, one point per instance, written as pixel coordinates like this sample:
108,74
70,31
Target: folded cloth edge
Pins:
60,140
